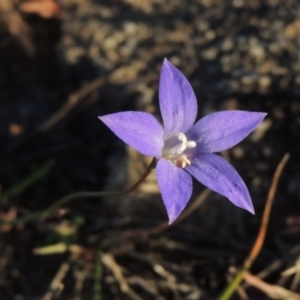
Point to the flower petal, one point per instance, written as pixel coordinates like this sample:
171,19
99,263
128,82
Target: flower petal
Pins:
140,130
178,103
222,130
217,174
175,186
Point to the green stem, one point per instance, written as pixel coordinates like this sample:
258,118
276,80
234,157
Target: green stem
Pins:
63,201
233,284
26,183
98,278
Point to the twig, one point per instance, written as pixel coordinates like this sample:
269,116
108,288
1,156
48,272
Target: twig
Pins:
194,205
185,214
73,100
261,234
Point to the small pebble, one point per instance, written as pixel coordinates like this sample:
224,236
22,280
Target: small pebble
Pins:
264,82
257,52
227,45
238,152
210,54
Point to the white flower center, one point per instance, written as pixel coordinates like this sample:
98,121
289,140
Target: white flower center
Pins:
175,151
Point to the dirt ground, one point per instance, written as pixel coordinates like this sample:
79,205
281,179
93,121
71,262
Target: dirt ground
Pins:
64,63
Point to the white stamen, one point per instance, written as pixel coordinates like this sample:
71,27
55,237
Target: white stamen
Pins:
191,144
185,143
181,148
177,154
181,136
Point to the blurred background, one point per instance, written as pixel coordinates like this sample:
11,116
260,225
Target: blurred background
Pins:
63,63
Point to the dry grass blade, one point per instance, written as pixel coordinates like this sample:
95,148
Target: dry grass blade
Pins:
293,270
273,291
80,277
109,261
56,286
277,264
266,216
261,234
296,279
150,286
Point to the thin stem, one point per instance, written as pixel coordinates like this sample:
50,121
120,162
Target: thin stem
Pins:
98,278
63,201
261,234
27,182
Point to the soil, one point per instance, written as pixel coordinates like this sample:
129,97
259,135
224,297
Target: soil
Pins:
64,65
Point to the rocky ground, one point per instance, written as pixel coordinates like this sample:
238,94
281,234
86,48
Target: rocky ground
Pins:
63,65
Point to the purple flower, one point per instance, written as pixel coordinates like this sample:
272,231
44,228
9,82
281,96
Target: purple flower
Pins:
183,148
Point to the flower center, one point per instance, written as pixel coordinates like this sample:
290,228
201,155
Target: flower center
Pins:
175,151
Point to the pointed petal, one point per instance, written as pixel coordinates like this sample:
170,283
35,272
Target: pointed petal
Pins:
175,186
178,103
140,130
217,174
222,130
